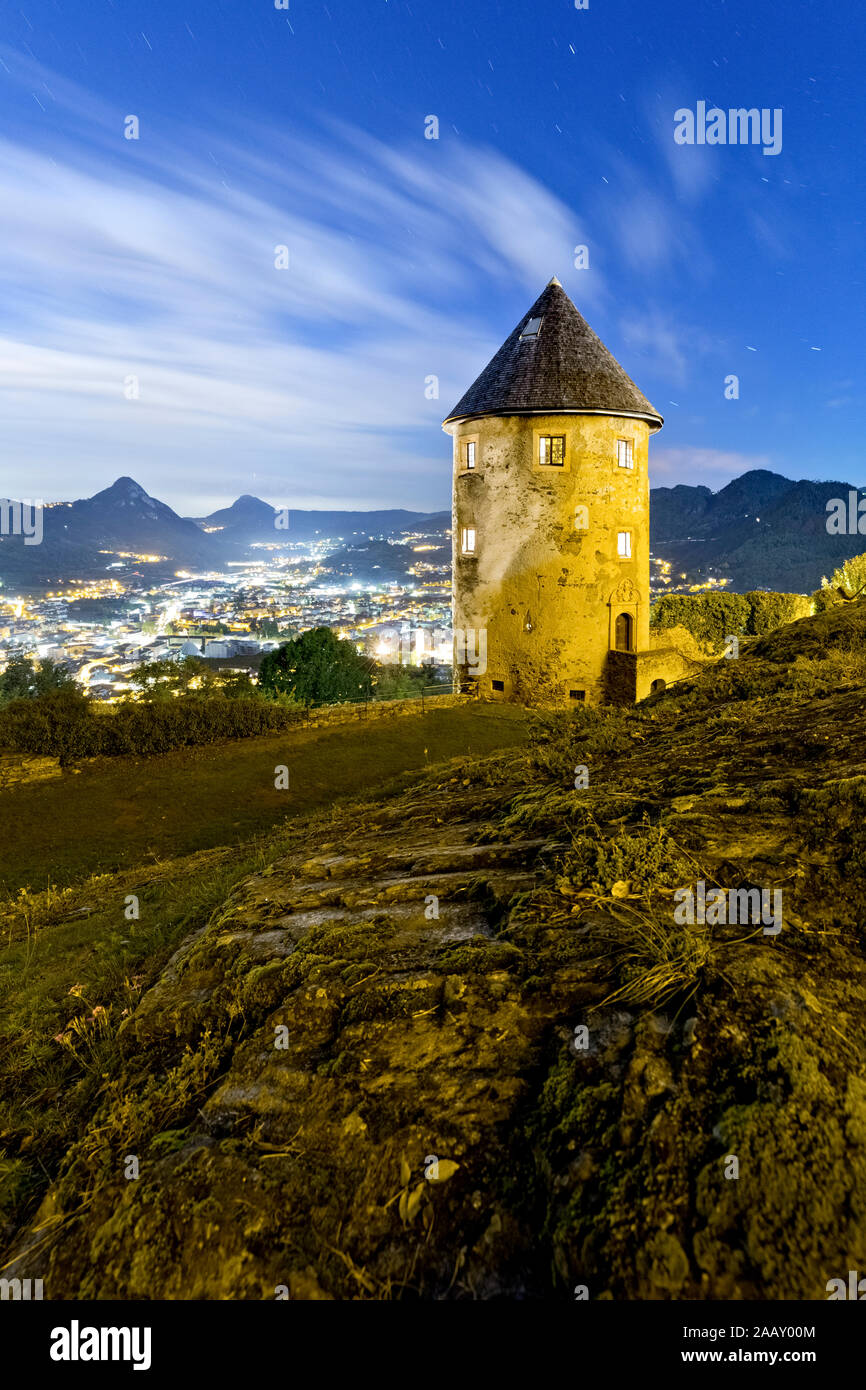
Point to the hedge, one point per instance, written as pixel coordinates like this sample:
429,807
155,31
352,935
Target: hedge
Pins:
68,727
712,617
770,611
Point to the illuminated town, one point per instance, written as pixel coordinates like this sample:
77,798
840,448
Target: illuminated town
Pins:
102,629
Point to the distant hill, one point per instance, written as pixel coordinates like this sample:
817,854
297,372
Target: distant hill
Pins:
121,518
82,538
376,562
361,524
249,519
762,530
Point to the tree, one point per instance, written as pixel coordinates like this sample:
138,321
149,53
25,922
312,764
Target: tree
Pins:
849,577
24,679
236,685
160,680
316,668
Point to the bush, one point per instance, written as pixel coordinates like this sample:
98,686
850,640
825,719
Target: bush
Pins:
166,679
825,598
401,682
712,617
53,725
25,679
850,576
769,611
66,727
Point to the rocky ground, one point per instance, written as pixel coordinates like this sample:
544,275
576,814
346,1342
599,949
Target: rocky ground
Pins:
366,1078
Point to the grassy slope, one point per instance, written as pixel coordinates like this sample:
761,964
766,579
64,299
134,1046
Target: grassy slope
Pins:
454,1036
159,817
119,812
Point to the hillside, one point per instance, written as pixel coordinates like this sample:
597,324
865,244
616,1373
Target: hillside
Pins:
249,519
117,812
81,538
122,518
332,1089
762,531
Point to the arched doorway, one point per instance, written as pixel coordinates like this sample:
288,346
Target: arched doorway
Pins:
623,632
657,685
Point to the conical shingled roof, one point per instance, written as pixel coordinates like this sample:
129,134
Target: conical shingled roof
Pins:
566,369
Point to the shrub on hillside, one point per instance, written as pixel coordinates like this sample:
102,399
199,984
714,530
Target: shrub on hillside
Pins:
403,682
825,598
166,679
55,725
769,611
67,727
709,617
850,576
712,617
25,679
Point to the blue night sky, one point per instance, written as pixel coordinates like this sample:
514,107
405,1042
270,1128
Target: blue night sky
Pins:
408,257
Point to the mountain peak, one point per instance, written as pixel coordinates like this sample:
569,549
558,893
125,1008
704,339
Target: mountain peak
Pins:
126,489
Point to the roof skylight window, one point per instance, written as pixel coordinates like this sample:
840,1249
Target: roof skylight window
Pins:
531,329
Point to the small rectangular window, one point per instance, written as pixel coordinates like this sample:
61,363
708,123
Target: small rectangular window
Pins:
467,540
531,329
498,685
470,453
577,694
551,450
624,456
623,545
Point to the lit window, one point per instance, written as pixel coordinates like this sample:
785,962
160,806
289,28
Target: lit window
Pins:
469,448
531,329
624,453
623,545
467,540
551,450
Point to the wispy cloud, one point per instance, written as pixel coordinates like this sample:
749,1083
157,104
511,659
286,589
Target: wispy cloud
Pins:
155,259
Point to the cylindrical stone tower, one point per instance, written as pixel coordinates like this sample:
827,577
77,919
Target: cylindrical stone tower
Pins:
551,517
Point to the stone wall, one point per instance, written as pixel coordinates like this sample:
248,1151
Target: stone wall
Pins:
673,654
378,709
